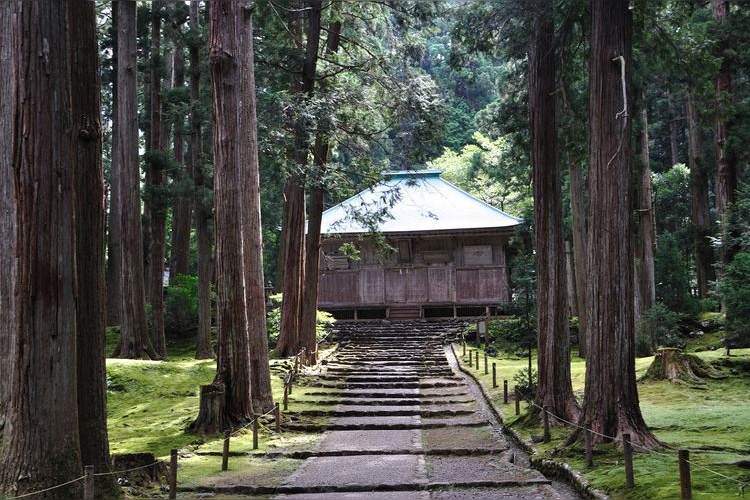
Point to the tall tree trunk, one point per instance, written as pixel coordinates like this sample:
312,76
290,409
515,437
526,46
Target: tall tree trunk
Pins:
555,390
674,146
233,366
294,237
183,207
308,329
726,169
8,236
41,445
699,203
114,252
157,182
89,227
253,233
580,251
134,341
646,282
203,212
610,404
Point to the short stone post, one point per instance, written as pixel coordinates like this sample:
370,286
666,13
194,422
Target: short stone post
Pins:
627,451
686,487
225,451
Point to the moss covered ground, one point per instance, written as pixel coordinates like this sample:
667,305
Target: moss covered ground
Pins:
712,421
150,404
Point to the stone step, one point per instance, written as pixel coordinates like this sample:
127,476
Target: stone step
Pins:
386,411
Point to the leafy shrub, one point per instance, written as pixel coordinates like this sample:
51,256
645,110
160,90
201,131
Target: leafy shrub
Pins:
673,276
181,302
659,327
526,386
273,321
735,291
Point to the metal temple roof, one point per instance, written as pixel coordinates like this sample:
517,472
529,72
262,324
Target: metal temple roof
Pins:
414,201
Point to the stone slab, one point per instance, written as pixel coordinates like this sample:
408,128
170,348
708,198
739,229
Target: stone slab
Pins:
370,440
447,469
358,471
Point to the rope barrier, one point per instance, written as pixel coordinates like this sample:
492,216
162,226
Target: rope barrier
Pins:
26,495
742,484
99,474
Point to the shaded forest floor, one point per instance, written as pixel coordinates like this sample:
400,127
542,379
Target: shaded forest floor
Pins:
151,403
711,419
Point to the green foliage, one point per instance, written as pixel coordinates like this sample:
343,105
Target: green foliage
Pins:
526,385
735,291
273,321
486,169
672,274
658,328
181,301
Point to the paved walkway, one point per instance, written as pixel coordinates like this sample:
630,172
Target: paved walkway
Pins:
408,426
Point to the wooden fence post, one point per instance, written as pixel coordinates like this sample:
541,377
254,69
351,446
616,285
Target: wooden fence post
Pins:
277,417
225,451
627,451
518,400
255,432
547,436
286,396
494,375
686,488
476,355
485,364
88,483
173,474
505,392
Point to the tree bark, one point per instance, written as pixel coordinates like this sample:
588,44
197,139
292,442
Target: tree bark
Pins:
555,390
134,342
308,328
580,251
8,236
42,380
157,182
233,365
89,226
294,226
726,173
699,201
610,404
114,252
203,212
674,147
646,242
253,234
183,208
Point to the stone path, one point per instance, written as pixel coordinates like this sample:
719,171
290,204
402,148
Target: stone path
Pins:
407,426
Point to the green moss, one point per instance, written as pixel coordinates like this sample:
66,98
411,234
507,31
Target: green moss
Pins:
710,421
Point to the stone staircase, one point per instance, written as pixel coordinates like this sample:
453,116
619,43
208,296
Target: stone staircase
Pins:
403,423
